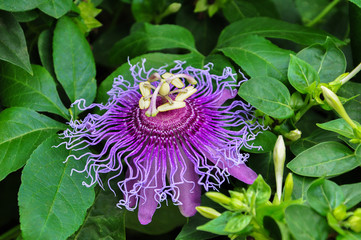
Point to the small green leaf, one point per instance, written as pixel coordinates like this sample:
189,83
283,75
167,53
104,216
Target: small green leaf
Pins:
37,91
260,189
146,37
21,131
339,126
18,5
353,107
305,224
327,59
52,203
237,223
302,76
258,57
27,16
356,2
217,226
324,160
333,223
268,95
73,61
324,196
266,140
12,42
45,47
56,8
352,193
272,28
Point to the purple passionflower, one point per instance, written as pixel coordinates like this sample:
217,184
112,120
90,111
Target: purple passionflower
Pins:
157,150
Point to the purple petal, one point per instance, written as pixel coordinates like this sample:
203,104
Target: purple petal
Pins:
243,173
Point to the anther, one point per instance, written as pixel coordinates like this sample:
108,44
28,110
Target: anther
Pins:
154,77
175,81
184,95
144,103
167,106
144,89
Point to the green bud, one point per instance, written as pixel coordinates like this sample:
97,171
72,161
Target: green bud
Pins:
288,188
208,212
237,195
218,197
174,7
237,204
276,200
293,135
296,101
357,212
354,222
279,157
340,212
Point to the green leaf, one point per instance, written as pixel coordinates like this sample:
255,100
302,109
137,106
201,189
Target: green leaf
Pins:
154,60
309,9
258,56
272,28
146,37
237,223
324,160
18,5
37,91
73,61
356,2
339,126
268,95
276,229
353,107
327,59
324,196
260,189
352,193
27,16
300,186
52,203
147,10
313,139
302,76
103,220
55,8
12,42
305,224
21,131
45,48
355,29
266,140
218,224
264,164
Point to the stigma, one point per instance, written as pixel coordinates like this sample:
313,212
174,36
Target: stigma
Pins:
170,88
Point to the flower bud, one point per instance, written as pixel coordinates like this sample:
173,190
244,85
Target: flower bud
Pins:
340,212
173,8
357,212
208,212
293,135
288,189
354,222
218,197
236,195
296,101
279,157
276,200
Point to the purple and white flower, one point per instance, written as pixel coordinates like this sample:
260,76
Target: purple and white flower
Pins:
155,150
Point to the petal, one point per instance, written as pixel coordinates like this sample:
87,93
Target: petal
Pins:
190,196
147,206
243,173
225,95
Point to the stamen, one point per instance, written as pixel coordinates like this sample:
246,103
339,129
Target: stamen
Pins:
167,106
144,103
176,81
152,110
164,89
154,77
184,95
169,99
144,88
189,78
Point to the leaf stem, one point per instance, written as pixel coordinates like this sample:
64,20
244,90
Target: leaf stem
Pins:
11,234
324,12
303,110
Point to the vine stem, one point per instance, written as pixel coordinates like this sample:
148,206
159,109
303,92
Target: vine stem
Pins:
324,12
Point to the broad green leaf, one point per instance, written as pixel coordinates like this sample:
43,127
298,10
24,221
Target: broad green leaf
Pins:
305,224
164,220
37,91
218,224
309,9
324,196
260,189
356,2
352,194
73,61
12,42
146,37
313,139
349,235
327,59
258,56
45,48
300,186
52,203
238,222
147,10
339,126
266,140
268,95
277,229
154,60
355,29
56,8
27,16
103,220
302,76
18,5
326,159
272,28
21,131
264,164
353,107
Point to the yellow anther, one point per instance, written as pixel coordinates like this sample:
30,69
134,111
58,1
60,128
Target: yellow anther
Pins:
167,106
164,89
184,95
145,89
176,82
144,103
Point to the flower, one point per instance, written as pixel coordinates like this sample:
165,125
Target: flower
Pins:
157,153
